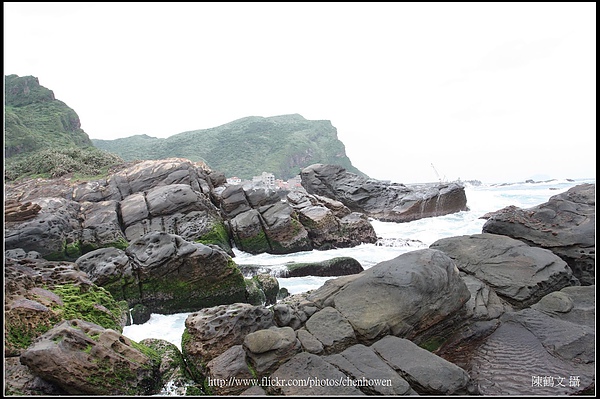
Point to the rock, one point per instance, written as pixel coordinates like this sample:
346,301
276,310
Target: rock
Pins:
427,373
384,201
254,391
308,374
339,266
20,381
269,348
176,276
172,370
372,375
84,358
15,211
18,253
332,329
548,348
565,225
40,294
52,232
140,314
228,373
146,175
517,272
324,295
513,360
283,230
211,331
334,267
573,304
171,195
233,201
248,234
564,339
174,209
309,343
269,285
404,296
106,266
330,224
101,227
262,289
484,304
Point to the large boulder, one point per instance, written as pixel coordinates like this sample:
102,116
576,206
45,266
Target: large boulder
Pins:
62,219
484,303
174,209
176,276
381,200
211,331
339,266
143,176
566,225
110,268
518,273
330,224
85,359
53,232
372,374
101,227
404,296
270,228
427,373
40,294
332,329
283,230
228,373
236,199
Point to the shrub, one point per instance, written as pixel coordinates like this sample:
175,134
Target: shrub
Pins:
56,162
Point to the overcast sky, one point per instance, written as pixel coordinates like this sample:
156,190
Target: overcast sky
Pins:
499,92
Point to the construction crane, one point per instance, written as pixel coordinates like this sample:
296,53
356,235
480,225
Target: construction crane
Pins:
437,174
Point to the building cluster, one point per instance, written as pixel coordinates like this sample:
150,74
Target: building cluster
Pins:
268,180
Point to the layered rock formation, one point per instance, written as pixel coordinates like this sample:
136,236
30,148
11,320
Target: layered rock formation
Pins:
481,314
64,220
351,335
565,225
389,202
518,273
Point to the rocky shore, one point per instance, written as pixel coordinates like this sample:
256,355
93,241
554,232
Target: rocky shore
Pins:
510,311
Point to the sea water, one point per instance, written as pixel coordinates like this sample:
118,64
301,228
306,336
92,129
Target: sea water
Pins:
394,240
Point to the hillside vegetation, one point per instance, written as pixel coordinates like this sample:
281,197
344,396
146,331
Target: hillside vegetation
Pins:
282,145
43,136
34,119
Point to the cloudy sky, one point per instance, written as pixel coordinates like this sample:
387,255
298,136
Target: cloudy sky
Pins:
499,92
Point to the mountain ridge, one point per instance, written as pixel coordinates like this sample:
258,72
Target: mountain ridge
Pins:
245,147
36,122
34,119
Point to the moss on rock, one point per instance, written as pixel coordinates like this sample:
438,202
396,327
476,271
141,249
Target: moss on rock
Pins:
170,295
216,236
92,303
255,244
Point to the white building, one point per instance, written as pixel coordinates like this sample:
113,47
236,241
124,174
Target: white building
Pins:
268,179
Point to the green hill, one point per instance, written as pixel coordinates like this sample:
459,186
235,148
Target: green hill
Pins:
282,145
34,119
